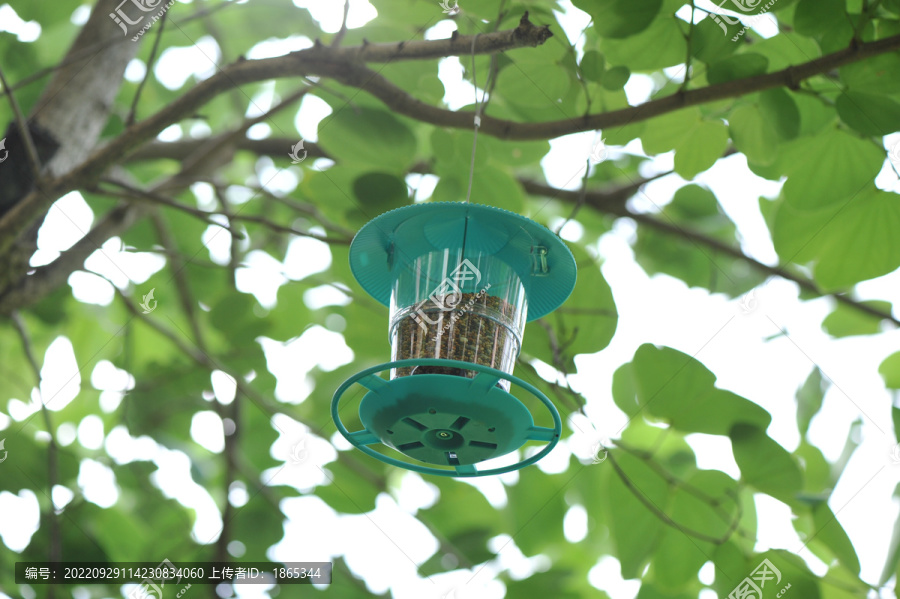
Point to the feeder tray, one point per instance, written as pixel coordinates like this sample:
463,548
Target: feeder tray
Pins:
461,280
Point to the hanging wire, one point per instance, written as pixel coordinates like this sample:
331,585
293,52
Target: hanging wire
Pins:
478,108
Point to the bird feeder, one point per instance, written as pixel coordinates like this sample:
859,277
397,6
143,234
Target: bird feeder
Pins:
461,280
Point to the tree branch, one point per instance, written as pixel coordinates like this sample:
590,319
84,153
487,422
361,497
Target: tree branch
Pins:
336,63
615,204
610,201
30,148
52,448
45,279
664,517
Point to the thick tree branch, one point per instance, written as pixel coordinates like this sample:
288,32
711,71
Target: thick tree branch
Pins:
526,34
179,150
203,159
46,279
401,102
333,63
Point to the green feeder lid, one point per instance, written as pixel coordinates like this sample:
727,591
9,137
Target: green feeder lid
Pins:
394,239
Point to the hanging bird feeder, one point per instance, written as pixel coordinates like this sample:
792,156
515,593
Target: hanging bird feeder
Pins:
461,280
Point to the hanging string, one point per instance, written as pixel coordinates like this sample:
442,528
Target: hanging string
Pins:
478,108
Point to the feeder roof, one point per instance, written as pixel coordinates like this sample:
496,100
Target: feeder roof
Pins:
396,238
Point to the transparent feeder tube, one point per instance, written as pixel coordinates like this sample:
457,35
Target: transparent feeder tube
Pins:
447,304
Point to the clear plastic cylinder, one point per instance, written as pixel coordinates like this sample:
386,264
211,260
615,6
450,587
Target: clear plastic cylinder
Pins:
458,306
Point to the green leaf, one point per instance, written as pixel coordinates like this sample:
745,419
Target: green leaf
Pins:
816,469
592,65
661,45
753,134
779,107
235,315
490,185
678,389
616,78
535,79
650,591
346,491
380,192
829,532
584,324
890,371
809,400
624,390
731,566
368,136
694,208
869,114
25,462
793,571
737,67
709,43
764,463
847,243
479,515
258,525
620,18
679,556
846,321
553,583
815,18
829,168
877,75
677,559
698,143
536,510
635,530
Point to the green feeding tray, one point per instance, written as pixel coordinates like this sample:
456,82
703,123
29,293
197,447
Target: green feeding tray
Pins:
461,280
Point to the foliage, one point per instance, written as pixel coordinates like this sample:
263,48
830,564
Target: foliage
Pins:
649,505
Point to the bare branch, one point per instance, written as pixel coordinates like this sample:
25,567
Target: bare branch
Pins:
132,113
339,37
526,34
664,517
52,448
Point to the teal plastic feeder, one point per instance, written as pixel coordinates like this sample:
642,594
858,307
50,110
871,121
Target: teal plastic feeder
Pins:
461,280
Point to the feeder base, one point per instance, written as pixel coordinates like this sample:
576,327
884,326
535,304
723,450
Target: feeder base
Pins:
445,419
450,422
